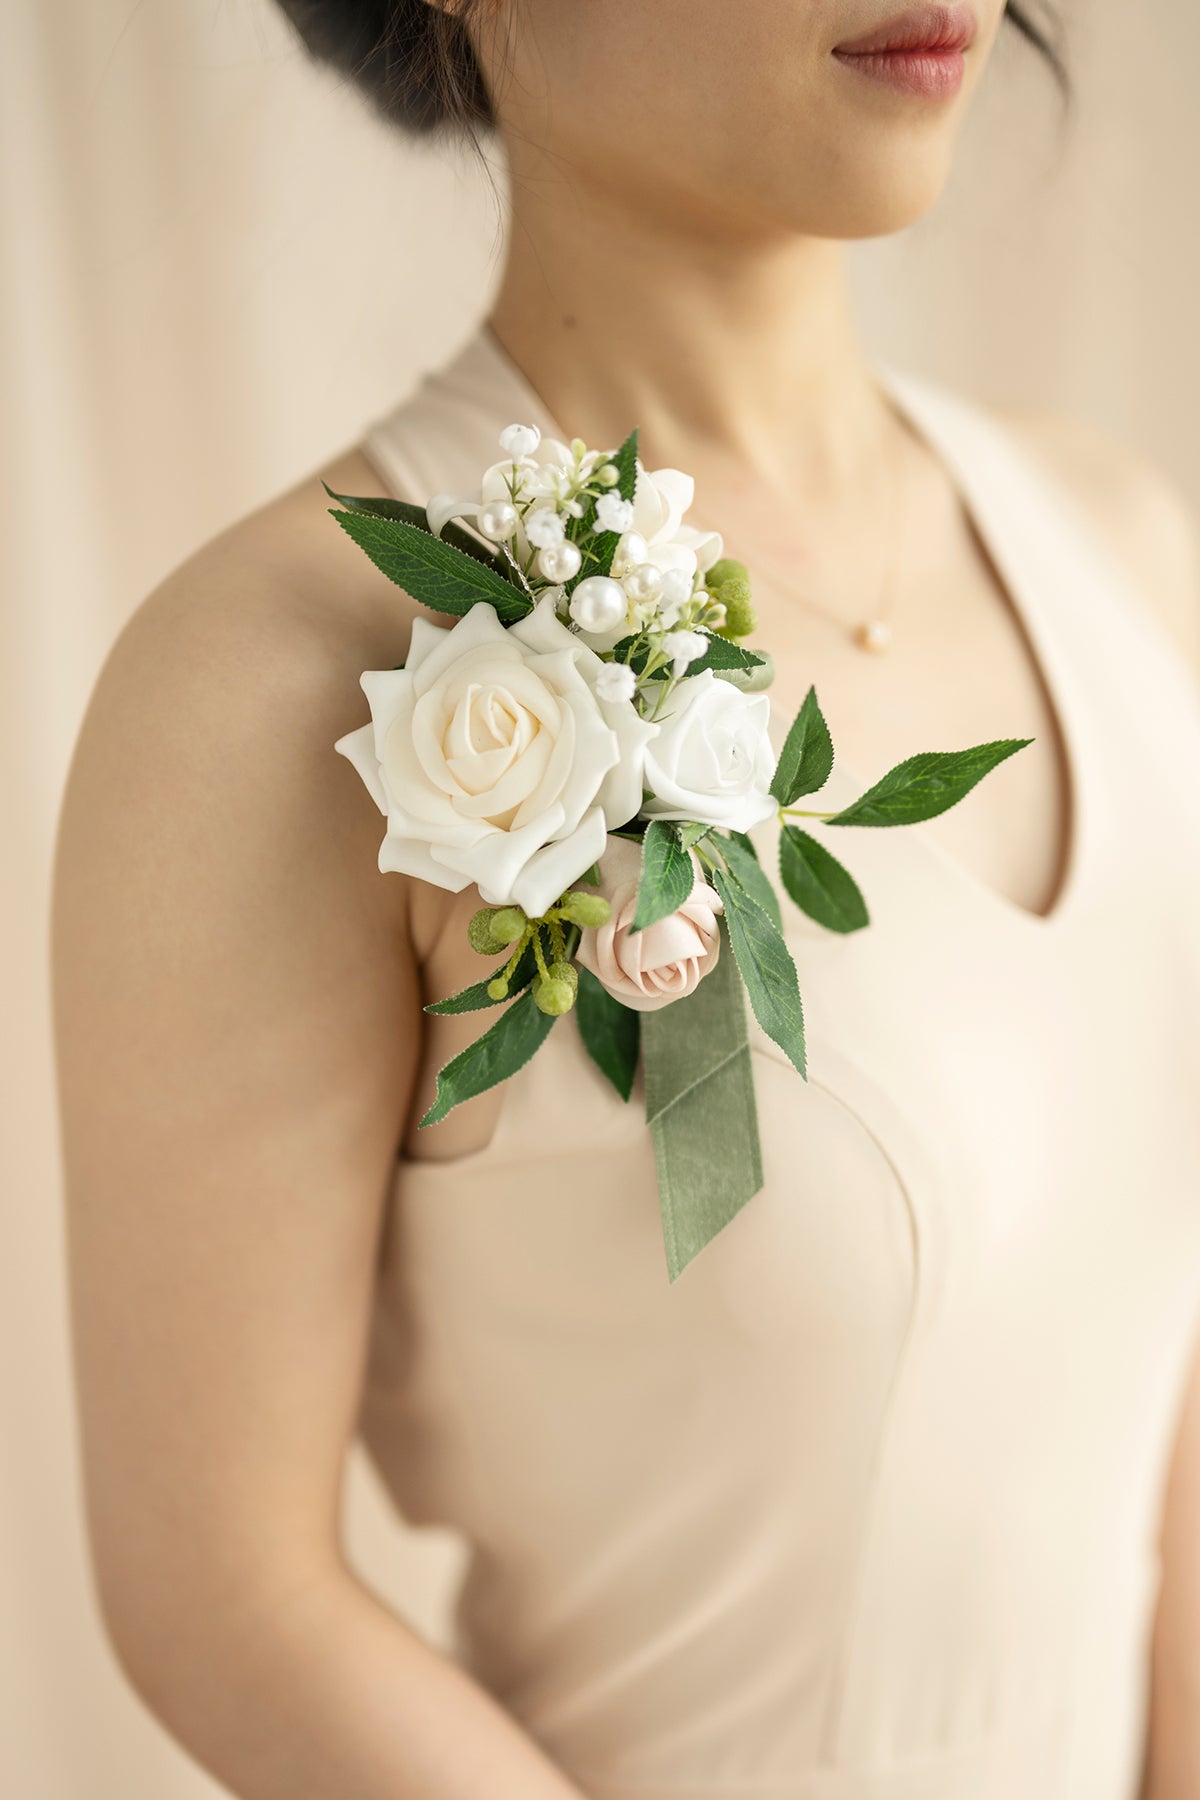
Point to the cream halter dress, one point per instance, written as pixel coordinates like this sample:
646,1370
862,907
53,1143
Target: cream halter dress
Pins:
864,1505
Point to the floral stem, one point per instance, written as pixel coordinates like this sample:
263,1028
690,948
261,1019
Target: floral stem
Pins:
539,953
798,812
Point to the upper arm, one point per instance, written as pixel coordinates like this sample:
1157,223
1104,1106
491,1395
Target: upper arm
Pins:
236,1021
1139,512
1173,1735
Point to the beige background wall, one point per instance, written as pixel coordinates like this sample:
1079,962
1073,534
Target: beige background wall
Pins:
214,268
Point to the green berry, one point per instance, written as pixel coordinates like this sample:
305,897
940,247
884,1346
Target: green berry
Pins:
565,971
508,922
585,910
497,988
553,996
483,934
740,616
726,568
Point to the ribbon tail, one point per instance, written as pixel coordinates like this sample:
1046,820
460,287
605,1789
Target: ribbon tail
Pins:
701,1109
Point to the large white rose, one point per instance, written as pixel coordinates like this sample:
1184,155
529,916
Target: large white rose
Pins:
495,760
712,759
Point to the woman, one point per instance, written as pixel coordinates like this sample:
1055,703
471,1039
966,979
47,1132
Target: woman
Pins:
870,1502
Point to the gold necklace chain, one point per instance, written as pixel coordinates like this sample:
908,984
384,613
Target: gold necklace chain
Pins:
874,633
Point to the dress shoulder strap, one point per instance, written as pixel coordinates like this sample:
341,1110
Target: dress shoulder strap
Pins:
1028,511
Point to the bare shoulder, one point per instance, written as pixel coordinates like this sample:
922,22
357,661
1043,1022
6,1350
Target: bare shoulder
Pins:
279,606
1139,510
211,843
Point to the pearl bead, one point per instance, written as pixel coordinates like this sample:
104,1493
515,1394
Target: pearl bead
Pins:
631,550
559,562
598,603
643,583
497,520
873,634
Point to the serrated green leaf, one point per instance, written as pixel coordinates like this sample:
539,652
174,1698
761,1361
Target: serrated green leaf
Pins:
818,883
744,866
434,573
610,1032
807,755
598,548
927,784
667,878
689,833
766,967
503,1049
476,997
721,654
385,507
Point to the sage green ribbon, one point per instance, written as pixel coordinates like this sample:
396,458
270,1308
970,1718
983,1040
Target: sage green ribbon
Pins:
701,1110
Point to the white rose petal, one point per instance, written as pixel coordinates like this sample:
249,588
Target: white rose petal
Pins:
495,759
712,759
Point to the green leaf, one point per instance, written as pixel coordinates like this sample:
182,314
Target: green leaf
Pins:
476,997
925,785
667,878
721,654
599,547
385,507
435,573
807,754
767,968
503,1049
689,833
818,883
700,1107
610,1032
748,872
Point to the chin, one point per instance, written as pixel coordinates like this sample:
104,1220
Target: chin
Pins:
888,200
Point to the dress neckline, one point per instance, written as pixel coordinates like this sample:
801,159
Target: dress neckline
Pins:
959,435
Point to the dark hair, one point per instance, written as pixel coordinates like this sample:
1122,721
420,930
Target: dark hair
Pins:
416,64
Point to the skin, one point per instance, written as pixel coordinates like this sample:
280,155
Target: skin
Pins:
237,992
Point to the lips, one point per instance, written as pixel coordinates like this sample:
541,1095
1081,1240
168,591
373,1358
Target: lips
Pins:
918,29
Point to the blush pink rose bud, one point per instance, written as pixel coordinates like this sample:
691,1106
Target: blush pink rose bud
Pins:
648,969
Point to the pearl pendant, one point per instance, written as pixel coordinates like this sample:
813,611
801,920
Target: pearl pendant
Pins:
873,634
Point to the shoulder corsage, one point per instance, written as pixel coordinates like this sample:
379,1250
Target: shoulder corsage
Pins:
587,746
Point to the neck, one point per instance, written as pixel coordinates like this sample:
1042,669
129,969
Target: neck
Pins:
721,347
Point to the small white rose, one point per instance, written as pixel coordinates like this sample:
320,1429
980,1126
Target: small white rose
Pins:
660,499
495,759
712,759
648,969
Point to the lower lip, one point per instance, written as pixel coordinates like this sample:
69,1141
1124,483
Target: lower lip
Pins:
931,74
